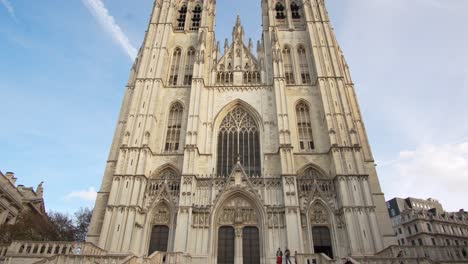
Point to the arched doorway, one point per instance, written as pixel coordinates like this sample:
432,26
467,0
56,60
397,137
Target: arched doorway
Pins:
322,241
238,227
320,223
159,239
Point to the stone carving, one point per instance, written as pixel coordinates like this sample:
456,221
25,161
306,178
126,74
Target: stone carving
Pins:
161,216
318,215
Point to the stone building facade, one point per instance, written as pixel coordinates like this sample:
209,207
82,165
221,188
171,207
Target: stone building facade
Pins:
15,200
418,222
228,152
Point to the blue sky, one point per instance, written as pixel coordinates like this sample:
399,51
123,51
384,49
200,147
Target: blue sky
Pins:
64,66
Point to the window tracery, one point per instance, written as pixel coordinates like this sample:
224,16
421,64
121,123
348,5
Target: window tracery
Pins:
189,66
182,17
304,127
252,77
279,8
303,65
175,65
295,11
196,17
238,140
288,66
174,126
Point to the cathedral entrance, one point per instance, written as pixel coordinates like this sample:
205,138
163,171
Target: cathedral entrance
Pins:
250,245
226,245
159,237
238,238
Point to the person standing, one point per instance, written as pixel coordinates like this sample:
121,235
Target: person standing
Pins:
279,256
295,256
287,255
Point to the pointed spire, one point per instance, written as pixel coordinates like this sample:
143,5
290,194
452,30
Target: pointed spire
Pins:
250,45
238,31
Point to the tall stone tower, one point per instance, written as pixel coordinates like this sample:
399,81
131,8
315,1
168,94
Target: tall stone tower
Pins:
227,153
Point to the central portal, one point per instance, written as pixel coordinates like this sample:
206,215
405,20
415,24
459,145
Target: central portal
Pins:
238,232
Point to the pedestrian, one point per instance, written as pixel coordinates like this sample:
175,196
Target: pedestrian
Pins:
295,256
287,254
279,256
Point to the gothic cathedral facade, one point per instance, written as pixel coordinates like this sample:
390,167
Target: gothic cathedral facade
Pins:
227,153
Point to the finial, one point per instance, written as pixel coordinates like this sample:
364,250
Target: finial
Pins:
238,20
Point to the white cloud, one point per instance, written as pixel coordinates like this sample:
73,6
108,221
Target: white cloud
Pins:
8,7
100,12
436,171
88,195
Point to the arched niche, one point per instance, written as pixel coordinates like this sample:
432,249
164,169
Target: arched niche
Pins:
321,229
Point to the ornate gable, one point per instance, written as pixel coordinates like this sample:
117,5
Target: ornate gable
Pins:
238,65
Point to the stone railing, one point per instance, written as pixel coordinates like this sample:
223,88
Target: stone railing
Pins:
3,250
435,253
314,259
88,259
166,258
48,249
154,186
373,260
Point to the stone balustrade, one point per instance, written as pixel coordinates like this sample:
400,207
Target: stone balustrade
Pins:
435,253
48,249
64,259
3,250
167,258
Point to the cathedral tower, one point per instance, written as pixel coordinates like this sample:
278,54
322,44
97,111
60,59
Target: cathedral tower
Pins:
226,152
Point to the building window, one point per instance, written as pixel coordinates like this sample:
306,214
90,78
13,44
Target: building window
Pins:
409,230
226,78
295,11
189,67
399,231
403,241
304,66
420,241
174,126
196,18
280,11
413,242
322,241
433,242
304,127
288,66
448,242
182,17
238,141
159,238
175,65
416,229
429,228
253,77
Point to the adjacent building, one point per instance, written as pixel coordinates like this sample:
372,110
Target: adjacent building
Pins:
418,222
16,199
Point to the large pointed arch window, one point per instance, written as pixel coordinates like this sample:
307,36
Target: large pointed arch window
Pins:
175,65
288,66
182,17
238,140
174,126
304,127
279,8
189,66
304,67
